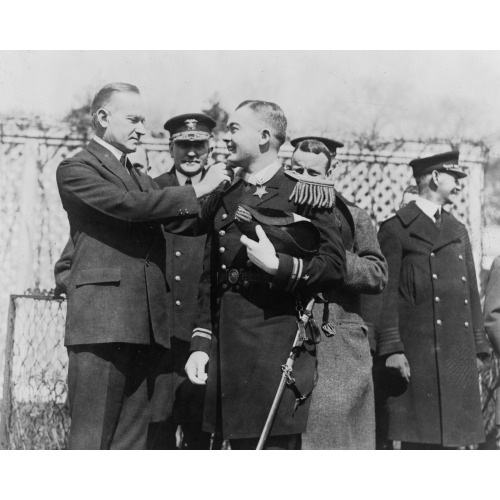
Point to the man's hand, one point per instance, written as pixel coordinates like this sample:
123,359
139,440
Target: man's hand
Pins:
215,176
399,362
262,252
195,367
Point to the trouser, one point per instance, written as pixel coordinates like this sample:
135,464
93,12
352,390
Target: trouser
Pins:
284,442
187,410
110,387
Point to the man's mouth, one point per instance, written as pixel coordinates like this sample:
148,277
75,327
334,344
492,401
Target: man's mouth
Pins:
230,148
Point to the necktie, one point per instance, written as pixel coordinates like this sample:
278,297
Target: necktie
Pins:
437,216
128,166
188,182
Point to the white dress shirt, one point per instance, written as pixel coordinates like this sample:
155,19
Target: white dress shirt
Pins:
428,207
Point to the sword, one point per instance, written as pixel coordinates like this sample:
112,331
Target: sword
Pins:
286,376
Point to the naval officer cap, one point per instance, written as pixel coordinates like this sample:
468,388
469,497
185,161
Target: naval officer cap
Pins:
443,162
331,144
190,127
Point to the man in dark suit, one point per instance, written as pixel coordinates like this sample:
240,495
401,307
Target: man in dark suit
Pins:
249,294
190,148
116,325
431,329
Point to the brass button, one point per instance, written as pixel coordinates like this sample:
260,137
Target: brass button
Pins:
224,216
466,324
246,284
222,250
177,254
177,278
433,254
437,299
177,302
439,322
460,257
223,267
434,276
466,301
222,232
464,279
249,263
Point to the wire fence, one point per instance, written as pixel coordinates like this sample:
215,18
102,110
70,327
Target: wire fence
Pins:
35,413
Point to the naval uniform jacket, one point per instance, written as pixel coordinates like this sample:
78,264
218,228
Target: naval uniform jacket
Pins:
117,289
248,330
183,269
431,312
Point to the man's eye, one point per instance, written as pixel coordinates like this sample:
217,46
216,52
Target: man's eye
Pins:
298,170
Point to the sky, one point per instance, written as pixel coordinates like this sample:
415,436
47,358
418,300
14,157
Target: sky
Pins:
400,94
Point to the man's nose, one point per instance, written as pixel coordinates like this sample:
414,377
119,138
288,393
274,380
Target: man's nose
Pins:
140,129
226,137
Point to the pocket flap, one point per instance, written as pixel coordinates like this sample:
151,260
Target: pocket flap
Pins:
100,275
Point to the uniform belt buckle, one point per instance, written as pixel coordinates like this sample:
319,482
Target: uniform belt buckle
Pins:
233,276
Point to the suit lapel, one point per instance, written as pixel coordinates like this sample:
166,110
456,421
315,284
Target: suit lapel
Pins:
110,163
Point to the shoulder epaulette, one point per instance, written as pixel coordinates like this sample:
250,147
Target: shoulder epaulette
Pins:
317,194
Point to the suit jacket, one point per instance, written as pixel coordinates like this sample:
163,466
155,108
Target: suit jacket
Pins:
117,289
431,312
248,331
183,269
492,305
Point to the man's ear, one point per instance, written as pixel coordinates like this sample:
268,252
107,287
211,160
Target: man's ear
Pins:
265,135
171,148
102,117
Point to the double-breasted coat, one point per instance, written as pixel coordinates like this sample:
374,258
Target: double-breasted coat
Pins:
248,331
342,414
431,312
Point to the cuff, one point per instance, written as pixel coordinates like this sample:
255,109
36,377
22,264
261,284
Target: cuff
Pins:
290,271
201,340
389,342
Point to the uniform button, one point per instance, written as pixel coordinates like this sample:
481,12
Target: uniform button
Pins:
466,324
439,322
177,278
434,276
461,257
222,250
223,267
222,232
187,211
437,299
464,279
466,301
246,284
224,216
177,302
249,263
177,254
433,254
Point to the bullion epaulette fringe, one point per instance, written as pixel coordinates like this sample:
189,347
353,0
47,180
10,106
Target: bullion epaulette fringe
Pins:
320,194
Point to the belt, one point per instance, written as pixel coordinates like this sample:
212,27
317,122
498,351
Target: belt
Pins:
241,277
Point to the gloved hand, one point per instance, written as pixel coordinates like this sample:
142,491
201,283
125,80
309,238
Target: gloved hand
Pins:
262,253
399,362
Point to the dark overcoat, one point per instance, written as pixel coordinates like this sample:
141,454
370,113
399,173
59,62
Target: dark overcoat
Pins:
342,414
183,269
431,312
117,289
254,327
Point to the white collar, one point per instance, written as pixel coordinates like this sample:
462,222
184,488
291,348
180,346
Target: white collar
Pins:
262,176
181,178
428,207
116,152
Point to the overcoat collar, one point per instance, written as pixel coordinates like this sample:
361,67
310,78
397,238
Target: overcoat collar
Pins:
420,226
110,163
